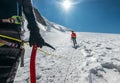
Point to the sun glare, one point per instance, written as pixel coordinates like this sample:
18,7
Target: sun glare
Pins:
67,4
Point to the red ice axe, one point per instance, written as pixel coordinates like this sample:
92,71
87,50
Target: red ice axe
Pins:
33,61
32,65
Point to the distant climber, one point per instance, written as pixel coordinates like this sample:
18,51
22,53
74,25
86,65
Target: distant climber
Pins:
73,37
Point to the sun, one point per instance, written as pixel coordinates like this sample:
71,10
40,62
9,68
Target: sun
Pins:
66,4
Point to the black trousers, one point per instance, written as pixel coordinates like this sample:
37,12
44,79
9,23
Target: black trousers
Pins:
9,56
74,40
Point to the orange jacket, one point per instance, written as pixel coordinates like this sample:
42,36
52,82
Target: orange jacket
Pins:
73,35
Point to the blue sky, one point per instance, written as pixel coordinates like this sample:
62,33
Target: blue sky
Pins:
84,15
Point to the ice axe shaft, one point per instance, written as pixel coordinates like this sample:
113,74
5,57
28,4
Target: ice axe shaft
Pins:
33,61
32,64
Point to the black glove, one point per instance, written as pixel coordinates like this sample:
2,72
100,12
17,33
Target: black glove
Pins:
35,37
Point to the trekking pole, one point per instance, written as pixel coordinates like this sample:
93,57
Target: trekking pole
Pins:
32,65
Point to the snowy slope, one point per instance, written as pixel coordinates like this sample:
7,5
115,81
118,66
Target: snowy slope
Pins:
96,60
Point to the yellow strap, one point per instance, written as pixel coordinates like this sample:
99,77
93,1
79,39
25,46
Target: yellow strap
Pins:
11,38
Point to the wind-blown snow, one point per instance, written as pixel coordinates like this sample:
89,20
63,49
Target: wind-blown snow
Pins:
96,59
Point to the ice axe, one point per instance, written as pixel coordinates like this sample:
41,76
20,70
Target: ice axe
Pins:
32,62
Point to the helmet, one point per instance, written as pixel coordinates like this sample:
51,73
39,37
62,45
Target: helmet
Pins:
72,31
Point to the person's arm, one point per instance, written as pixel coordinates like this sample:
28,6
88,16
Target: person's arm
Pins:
35,36
29,14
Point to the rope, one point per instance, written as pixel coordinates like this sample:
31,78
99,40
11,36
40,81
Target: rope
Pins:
47,53
11,38
57,56
18,40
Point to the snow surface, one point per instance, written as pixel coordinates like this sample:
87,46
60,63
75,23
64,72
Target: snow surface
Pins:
96,59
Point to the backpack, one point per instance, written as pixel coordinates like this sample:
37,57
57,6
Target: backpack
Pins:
73,35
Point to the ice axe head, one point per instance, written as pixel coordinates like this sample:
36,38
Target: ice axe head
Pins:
48,45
